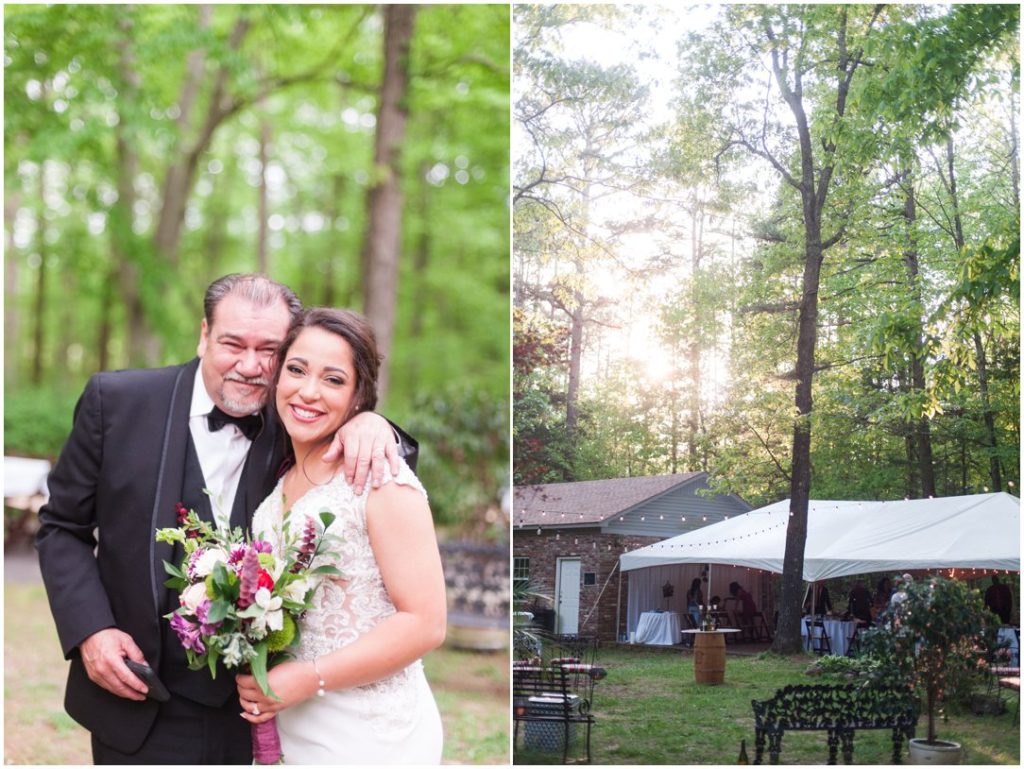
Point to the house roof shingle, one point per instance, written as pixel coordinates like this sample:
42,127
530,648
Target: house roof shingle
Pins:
581,502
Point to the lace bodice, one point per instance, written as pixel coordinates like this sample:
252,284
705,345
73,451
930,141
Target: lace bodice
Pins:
346,607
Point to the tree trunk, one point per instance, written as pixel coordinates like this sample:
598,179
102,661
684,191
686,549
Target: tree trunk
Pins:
385,197
696,253
922,425
12,317
813,189
572,392
334,249
181,170
988,418
39,305
1014,160
105,330
262,263
140,343
421,257
995,474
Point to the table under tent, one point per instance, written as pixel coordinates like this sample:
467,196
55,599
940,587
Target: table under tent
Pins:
975,534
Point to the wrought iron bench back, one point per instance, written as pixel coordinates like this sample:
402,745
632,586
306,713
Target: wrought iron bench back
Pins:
838,710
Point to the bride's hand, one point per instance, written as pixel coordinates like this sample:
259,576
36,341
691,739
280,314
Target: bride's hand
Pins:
293,682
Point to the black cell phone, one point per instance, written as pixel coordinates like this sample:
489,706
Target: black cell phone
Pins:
157,690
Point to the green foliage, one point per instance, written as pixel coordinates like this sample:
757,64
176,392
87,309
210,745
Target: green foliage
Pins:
37,421
463,463
934,624
305,81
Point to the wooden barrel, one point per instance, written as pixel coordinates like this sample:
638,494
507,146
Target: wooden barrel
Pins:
709,658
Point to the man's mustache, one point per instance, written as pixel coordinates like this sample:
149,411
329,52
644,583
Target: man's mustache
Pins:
249,380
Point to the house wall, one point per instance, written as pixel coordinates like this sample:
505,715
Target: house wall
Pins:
662,517
598,553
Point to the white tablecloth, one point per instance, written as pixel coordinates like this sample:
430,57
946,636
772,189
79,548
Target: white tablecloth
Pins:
1008,636
24,476
658,628
839,632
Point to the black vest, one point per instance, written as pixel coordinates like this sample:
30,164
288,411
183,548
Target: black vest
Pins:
196,685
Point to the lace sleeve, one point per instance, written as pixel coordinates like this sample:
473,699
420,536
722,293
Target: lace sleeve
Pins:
405,477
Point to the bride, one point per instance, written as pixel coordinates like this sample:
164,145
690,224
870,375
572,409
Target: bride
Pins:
355,692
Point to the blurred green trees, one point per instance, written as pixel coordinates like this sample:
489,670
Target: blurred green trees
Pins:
151,149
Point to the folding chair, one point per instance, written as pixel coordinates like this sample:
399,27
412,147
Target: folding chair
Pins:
817,637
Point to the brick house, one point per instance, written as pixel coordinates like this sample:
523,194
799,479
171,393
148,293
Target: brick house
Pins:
567,539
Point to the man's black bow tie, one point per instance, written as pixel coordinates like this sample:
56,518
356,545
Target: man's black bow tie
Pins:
250,425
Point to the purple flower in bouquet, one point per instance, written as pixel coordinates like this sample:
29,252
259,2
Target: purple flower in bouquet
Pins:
206,627
188,634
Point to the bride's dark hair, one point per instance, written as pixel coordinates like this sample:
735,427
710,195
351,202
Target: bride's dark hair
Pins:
354,329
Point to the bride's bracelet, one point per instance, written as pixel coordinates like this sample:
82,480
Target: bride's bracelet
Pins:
321,683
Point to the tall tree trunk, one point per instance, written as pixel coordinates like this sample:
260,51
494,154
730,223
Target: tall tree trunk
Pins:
140,343
922,425
421,256
181,170
1014,160
334,249
813,185
262,263
39,305
385,197
12,317
105,330
572,393
988,417
694,351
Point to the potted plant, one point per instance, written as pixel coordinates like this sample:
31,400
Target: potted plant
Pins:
931,625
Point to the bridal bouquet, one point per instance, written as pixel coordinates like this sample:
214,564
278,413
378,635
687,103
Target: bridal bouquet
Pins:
240,599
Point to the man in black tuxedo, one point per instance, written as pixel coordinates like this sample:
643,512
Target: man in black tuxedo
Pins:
142,441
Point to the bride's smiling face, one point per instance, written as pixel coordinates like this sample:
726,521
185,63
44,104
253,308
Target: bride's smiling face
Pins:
316,386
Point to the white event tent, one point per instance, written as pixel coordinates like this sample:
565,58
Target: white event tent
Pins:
980,531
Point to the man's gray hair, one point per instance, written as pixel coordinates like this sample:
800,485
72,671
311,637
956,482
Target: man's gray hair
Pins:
253,286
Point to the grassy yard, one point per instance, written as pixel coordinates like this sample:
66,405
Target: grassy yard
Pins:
471,691
649,711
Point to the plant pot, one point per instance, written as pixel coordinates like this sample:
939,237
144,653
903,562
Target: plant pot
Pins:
938,752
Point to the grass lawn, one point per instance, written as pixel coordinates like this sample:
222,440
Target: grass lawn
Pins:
471,691
649,710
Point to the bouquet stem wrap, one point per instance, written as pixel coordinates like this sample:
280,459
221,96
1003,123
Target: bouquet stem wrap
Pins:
266,743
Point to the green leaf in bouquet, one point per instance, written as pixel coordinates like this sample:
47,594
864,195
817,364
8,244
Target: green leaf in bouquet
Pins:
327,517
173,570
170,536
327,569
259,671
218,610
221,577
211,661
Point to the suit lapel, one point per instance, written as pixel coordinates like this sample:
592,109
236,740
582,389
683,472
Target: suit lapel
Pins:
170,475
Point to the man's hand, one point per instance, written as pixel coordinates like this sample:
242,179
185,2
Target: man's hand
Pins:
103,654
367,441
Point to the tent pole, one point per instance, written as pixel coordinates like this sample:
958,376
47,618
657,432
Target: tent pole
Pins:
618,607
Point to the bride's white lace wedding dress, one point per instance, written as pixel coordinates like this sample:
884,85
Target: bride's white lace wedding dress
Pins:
392,721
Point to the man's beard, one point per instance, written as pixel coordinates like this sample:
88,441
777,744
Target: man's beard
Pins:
247,406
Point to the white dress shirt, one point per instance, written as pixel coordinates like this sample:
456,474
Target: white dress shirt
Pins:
221,454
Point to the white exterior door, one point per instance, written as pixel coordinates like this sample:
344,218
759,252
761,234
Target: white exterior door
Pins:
567,590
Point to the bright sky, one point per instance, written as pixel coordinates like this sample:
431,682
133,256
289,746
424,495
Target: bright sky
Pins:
635,344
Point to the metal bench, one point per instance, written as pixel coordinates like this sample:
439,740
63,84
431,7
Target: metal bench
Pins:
838,710
543,696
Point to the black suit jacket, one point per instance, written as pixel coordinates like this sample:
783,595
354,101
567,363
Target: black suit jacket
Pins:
117,480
